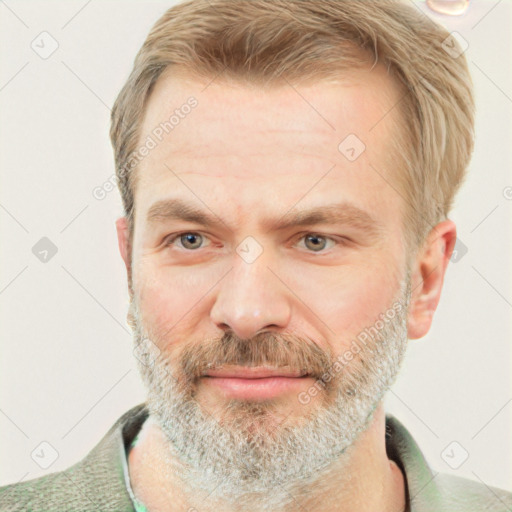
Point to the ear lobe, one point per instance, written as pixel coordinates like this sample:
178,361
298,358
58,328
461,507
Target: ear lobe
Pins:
125,249
428,276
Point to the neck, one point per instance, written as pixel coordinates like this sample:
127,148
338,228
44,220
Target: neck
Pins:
362,480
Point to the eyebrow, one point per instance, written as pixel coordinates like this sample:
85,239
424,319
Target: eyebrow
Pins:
167,210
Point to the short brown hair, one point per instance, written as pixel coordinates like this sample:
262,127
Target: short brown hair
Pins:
266,41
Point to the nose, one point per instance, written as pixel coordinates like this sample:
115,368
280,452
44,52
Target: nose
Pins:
251,299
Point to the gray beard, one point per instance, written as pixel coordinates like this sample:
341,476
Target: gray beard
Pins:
248,460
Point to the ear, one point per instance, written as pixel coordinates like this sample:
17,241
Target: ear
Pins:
124,242
427,277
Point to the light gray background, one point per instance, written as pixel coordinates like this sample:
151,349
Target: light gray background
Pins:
67,371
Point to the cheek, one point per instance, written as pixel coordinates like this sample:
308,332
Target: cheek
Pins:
170,300
354,300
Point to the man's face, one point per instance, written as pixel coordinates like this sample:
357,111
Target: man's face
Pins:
250,289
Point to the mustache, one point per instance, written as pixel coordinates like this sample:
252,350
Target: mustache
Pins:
264,349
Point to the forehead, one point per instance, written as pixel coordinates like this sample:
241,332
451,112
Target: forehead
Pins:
259,147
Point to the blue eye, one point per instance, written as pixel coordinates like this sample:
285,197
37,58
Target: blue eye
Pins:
189,240
316,242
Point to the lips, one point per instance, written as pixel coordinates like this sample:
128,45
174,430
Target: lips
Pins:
258,372
254,383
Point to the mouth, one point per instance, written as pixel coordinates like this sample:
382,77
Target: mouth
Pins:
255,383
255,372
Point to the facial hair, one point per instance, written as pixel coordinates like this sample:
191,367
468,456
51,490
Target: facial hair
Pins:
247,459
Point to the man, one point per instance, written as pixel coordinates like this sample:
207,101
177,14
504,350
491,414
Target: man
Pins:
286,169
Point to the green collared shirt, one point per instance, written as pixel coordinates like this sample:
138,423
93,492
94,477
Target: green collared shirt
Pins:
139,507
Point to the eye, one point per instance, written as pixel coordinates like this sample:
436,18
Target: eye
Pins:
189,240
316,242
